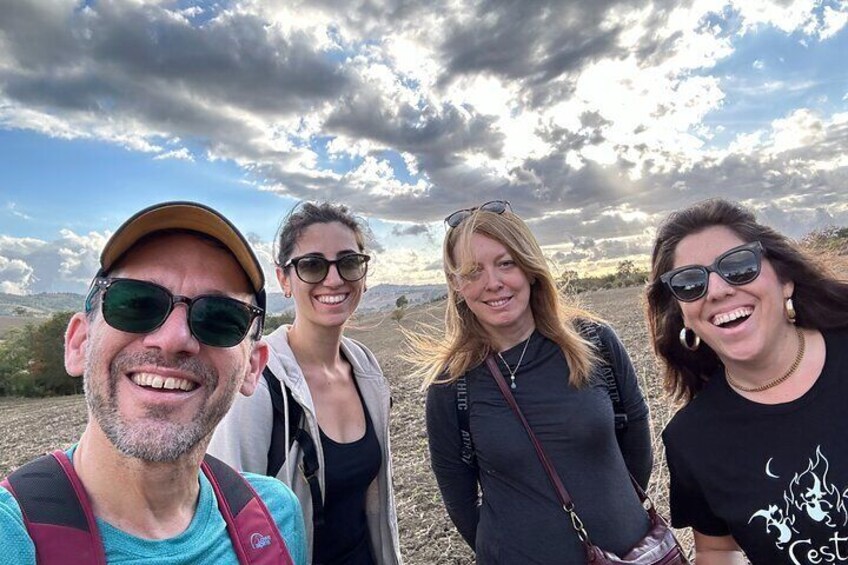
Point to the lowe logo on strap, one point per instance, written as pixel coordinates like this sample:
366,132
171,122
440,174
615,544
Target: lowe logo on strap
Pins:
258,541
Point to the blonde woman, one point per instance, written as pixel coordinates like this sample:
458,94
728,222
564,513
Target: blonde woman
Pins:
503,301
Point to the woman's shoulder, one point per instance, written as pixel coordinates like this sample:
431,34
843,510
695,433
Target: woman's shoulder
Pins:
363,360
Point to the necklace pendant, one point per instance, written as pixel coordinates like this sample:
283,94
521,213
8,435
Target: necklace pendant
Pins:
512,385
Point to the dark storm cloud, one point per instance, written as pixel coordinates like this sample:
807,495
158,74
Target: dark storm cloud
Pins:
435,134
231,80
531,41
798,223
232,59
147,65
585,228
416,229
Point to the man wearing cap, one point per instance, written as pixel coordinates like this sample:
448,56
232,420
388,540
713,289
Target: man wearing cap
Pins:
169,336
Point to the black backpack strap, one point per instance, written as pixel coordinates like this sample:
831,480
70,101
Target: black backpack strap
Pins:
278,449
253,532
589,330
463,408
310,473
56,511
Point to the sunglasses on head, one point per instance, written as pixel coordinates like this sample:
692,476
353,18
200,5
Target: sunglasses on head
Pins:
493,206
313,269
138,307
737,266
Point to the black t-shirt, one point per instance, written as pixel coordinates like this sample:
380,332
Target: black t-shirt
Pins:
519,519
775,477
349,469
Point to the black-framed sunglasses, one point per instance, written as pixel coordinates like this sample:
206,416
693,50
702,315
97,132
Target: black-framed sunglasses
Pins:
139,307
737,266
313,269
493,206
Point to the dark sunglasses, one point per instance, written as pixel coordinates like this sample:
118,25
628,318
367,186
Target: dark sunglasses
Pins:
313,269
493,206
140,307
737,266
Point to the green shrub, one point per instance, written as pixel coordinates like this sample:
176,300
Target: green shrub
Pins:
32,360
274,322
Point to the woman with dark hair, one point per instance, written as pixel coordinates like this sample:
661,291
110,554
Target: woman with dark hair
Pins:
753,333
339,462
503,303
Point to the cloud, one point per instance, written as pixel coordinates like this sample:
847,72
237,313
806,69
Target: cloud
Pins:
12,208
595,119
181,154
15,275
413,230
62,265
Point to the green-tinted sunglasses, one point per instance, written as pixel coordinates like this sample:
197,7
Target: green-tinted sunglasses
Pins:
135,306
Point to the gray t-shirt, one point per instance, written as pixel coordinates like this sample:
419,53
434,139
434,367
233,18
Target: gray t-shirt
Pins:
519,519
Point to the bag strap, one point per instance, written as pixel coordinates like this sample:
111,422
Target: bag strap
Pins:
254,533
56,511
278,449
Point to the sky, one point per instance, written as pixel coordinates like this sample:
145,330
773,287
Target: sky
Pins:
594,119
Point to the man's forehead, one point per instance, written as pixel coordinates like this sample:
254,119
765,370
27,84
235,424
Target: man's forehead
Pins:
191,255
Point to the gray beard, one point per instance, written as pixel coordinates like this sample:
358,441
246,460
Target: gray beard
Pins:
155,438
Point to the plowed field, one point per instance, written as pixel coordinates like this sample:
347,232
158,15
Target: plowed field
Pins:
32,427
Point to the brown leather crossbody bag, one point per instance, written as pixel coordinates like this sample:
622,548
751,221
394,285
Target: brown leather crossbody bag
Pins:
657,547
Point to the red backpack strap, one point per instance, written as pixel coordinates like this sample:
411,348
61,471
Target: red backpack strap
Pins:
56,512
254,534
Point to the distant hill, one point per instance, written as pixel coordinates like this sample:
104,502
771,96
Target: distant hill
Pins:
39,305
378,298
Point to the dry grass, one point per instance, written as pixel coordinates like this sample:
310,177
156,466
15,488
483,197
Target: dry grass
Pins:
32,427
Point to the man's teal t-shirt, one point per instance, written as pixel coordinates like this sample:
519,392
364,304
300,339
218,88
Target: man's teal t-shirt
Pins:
205,541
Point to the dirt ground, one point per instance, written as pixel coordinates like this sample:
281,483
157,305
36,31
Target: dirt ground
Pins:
32,427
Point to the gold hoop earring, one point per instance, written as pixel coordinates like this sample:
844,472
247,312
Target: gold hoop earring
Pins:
684,339
789,310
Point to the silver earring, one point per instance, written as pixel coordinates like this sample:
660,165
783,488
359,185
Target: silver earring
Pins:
287,294
684,339
789,310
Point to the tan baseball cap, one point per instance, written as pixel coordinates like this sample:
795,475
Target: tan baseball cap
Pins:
179,215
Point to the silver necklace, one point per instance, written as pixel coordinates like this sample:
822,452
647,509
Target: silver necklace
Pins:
517,365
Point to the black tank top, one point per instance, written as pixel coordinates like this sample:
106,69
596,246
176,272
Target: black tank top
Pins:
349,469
